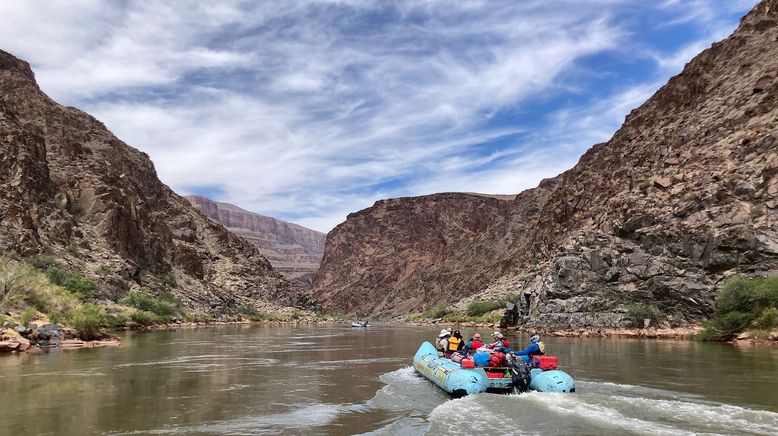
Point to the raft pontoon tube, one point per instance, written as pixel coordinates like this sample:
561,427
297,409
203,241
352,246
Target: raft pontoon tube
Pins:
458,381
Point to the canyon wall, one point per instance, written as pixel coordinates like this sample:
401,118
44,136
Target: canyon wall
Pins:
683,196
295,251
71,191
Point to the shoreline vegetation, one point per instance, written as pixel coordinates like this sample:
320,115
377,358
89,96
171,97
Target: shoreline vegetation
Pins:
746,311
45,305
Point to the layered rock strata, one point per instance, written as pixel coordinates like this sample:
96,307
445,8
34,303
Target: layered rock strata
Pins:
295,251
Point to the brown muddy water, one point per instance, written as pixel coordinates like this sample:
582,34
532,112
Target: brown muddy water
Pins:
245,380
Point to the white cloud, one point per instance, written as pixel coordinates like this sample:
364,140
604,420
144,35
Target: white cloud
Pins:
309,109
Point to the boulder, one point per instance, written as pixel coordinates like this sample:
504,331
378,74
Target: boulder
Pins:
6,346
24,344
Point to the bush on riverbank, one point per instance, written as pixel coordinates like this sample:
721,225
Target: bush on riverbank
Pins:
480,307
492,316
73,282
743,304
163,305
88,319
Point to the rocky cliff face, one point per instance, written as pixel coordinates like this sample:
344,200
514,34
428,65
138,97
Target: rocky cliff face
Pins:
295,251
683,196
68,187
405,254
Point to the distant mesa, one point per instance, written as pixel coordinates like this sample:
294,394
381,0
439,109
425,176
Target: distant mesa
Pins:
295,251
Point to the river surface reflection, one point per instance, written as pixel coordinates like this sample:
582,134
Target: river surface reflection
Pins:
243,380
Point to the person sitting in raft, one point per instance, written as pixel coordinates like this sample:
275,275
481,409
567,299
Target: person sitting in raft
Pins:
442,342
535,347
455,343
473,344
499,342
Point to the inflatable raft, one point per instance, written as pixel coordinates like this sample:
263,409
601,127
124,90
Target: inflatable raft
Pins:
360,324
458,381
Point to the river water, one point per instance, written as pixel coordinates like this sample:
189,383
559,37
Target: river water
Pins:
244,380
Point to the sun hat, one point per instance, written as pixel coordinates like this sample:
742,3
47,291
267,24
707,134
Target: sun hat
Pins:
443,332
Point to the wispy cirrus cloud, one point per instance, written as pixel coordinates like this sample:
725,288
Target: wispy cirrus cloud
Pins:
308,110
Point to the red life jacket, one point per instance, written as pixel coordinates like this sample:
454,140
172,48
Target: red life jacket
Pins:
474,345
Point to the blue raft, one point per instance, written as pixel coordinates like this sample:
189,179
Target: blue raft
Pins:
458,381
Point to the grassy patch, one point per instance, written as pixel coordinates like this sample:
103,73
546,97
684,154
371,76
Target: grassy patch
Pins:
164,305
27,316
743,303
438,311
147,318
641,311
73,282
88,319
487,318
480,307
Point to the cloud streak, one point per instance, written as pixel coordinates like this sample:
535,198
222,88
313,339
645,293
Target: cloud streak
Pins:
309,110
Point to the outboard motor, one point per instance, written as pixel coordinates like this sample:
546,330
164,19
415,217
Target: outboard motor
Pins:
520,375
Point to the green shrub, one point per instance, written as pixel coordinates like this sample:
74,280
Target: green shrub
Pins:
43,261
438,311
146,318
72,249
103,270
27,315
757,211
488,317
166,304
169,280
768,319
87,320
743,303
296,315
11,283
480,307
640,311
513,298
72,281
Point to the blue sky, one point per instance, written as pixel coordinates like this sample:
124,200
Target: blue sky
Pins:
309,110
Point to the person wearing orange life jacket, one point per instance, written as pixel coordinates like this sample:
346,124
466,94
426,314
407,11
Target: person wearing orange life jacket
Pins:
455,343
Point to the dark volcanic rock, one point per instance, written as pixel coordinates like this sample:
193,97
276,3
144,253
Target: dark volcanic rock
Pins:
684,195
70,188
295,251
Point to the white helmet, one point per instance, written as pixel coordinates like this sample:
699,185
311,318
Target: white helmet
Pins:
497,335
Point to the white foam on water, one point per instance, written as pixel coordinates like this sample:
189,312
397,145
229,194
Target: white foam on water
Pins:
302,418
696,416
406,390
409,425
606,412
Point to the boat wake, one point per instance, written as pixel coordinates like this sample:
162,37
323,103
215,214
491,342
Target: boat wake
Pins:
602,408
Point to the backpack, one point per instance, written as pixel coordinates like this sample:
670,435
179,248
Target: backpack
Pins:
481,358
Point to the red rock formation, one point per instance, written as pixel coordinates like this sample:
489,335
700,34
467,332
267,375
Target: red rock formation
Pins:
293,250
683,196
70,188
